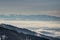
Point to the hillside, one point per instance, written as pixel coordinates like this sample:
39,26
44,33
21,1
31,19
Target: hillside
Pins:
8,34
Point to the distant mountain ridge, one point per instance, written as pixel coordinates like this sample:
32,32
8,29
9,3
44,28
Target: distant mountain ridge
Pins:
30,17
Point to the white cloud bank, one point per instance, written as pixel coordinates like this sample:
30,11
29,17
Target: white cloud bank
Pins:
34,24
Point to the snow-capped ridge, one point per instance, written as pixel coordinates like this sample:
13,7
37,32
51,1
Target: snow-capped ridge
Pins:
19,30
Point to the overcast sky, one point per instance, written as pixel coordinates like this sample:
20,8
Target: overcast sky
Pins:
30,7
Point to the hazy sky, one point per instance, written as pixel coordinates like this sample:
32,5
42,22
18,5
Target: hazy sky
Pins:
30,7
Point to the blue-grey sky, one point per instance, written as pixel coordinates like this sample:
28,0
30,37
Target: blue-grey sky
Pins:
30,7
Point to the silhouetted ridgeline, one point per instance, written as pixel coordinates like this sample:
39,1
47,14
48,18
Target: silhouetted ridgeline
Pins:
9,32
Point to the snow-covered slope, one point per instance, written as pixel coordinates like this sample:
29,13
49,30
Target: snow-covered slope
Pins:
28,32
19,30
